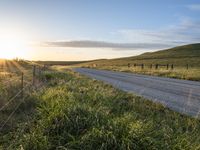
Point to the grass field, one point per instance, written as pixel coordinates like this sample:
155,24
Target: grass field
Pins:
179,73
15,107
75,112
10,78
180,57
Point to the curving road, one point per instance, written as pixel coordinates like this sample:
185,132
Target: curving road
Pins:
179,95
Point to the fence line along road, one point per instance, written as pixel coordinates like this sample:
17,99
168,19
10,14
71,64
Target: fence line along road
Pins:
168,66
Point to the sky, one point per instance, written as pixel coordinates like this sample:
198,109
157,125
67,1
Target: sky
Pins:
94,29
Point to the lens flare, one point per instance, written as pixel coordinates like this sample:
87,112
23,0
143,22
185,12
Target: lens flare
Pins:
12,44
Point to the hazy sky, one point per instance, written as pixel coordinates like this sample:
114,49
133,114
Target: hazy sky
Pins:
91,29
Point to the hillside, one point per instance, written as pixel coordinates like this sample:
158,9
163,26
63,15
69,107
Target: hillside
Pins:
60,62
181,55
192,50
66,63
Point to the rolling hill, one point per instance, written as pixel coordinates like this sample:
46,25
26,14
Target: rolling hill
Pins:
181,55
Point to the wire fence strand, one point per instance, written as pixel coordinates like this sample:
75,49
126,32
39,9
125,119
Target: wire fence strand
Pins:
10,116
13,98
28,85
13,112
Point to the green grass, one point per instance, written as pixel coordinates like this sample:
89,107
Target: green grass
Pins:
10,98
74,112
10,78
178,73
180,57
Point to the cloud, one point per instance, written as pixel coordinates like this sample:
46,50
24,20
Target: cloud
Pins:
101,44
195,7
185,32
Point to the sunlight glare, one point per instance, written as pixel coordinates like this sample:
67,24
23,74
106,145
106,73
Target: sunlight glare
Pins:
12,44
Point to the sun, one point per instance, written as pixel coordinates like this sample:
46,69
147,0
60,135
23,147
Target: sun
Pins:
12,44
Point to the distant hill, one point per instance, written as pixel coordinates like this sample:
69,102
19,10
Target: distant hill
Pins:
192,50
65,63
181,55
61,62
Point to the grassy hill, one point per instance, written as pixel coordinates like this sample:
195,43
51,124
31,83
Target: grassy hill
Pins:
65,63
60,62
179,56
185,59
192,50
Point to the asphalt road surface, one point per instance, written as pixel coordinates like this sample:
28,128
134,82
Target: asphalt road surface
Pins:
179,95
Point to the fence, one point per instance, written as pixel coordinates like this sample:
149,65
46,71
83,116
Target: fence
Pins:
157,66
21,75
21,91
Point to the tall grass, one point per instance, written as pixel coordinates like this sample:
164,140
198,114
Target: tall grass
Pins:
15,109
10,79
177,72
75,112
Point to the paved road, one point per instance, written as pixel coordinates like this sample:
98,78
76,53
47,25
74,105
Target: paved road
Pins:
180,95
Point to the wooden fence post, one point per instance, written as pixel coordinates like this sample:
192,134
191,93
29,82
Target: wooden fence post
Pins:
172,66
22,85
142,66
34,75
167,66
156,66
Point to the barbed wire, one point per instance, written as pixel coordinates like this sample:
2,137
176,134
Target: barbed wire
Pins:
27,85
13,112
10,116
23,100
9,81
13,98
